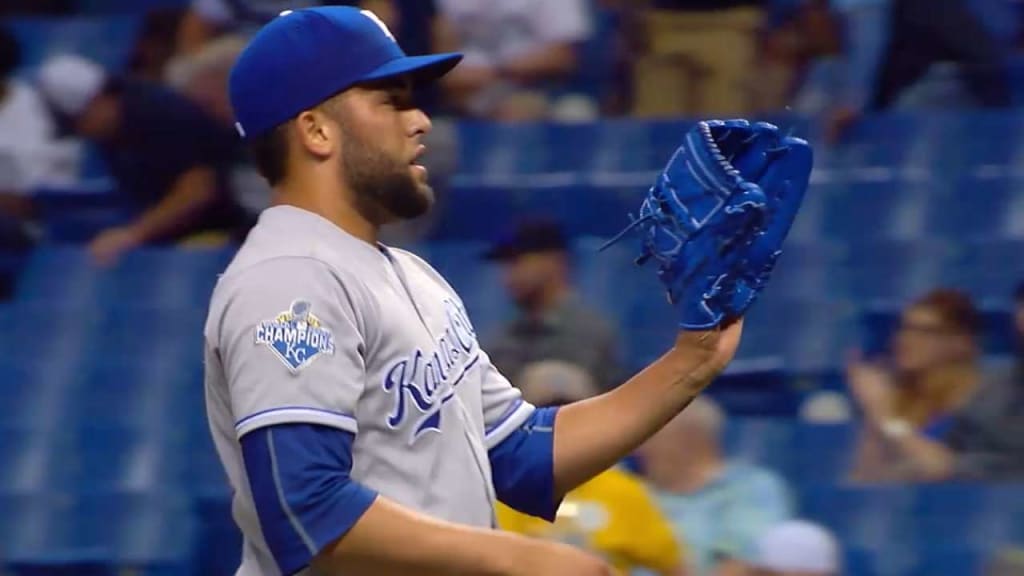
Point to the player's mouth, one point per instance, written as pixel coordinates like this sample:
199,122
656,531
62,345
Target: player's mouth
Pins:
419,169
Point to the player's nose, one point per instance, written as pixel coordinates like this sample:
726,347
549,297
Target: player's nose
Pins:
419,123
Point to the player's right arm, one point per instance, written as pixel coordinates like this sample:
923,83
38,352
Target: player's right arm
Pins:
295,409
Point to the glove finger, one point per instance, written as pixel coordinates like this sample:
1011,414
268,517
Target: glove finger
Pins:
757,152
785,183
730,134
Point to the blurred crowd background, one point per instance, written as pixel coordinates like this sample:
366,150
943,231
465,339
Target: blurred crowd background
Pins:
872,423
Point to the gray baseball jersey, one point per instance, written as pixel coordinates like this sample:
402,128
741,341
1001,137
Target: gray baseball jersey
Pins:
310,325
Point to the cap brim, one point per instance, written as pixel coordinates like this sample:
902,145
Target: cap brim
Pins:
420,68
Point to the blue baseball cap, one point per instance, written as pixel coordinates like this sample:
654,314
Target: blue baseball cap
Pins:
303,57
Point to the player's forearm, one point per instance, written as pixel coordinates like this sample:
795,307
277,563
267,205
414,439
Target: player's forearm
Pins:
592,435
390,539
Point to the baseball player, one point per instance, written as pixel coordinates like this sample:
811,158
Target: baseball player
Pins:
361,426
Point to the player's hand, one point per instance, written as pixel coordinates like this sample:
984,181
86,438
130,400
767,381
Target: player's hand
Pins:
108,247
557,559
719,344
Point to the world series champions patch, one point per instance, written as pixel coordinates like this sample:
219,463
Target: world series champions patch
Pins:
296,336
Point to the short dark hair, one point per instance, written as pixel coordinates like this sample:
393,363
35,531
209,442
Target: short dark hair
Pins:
10,53
269,152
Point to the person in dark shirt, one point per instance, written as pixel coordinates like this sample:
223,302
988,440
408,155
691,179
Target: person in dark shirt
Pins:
168,158
554,323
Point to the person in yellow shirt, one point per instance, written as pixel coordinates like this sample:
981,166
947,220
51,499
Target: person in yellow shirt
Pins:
613,515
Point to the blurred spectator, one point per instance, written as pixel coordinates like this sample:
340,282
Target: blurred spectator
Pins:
922,33
1007,561
515,52
797,548
911,401
30,152
553,322
208,19
212,31
169,159
800,33
613,514
697,58
986,438
721,507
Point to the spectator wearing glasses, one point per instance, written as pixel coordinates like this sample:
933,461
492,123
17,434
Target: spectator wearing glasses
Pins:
911,400
985,438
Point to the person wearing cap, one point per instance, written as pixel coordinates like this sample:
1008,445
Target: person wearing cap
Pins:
168,158
797,548
554,323
361,425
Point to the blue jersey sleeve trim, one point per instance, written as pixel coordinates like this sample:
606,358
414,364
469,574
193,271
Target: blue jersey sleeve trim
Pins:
304,497
296,415
523,466
512,419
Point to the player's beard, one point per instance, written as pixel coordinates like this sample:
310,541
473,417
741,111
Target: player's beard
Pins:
385,188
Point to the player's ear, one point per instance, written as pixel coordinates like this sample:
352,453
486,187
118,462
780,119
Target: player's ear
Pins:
316,133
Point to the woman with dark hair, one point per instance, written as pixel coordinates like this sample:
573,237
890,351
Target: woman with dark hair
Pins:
916,394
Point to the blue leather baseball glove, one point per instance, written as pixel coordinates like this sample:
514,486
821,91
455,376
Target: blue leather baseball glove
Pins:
715,219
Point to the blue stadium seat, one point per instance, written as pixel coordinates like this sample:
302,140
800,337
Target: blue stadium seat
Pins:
871,518
34,391
477,282
972,209
823,452
809,224
969,515
33,460
90,460
943,559
633,147
878,143
108,40
44,534
858,562
137,395
35,334
219,544
989,269
811,335
178,277
756,387
160,335
127,461
895,270
861,211
763,441
811,269
147,534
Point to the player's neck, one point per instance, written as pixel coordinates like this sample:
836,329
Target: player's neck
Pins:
325,201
